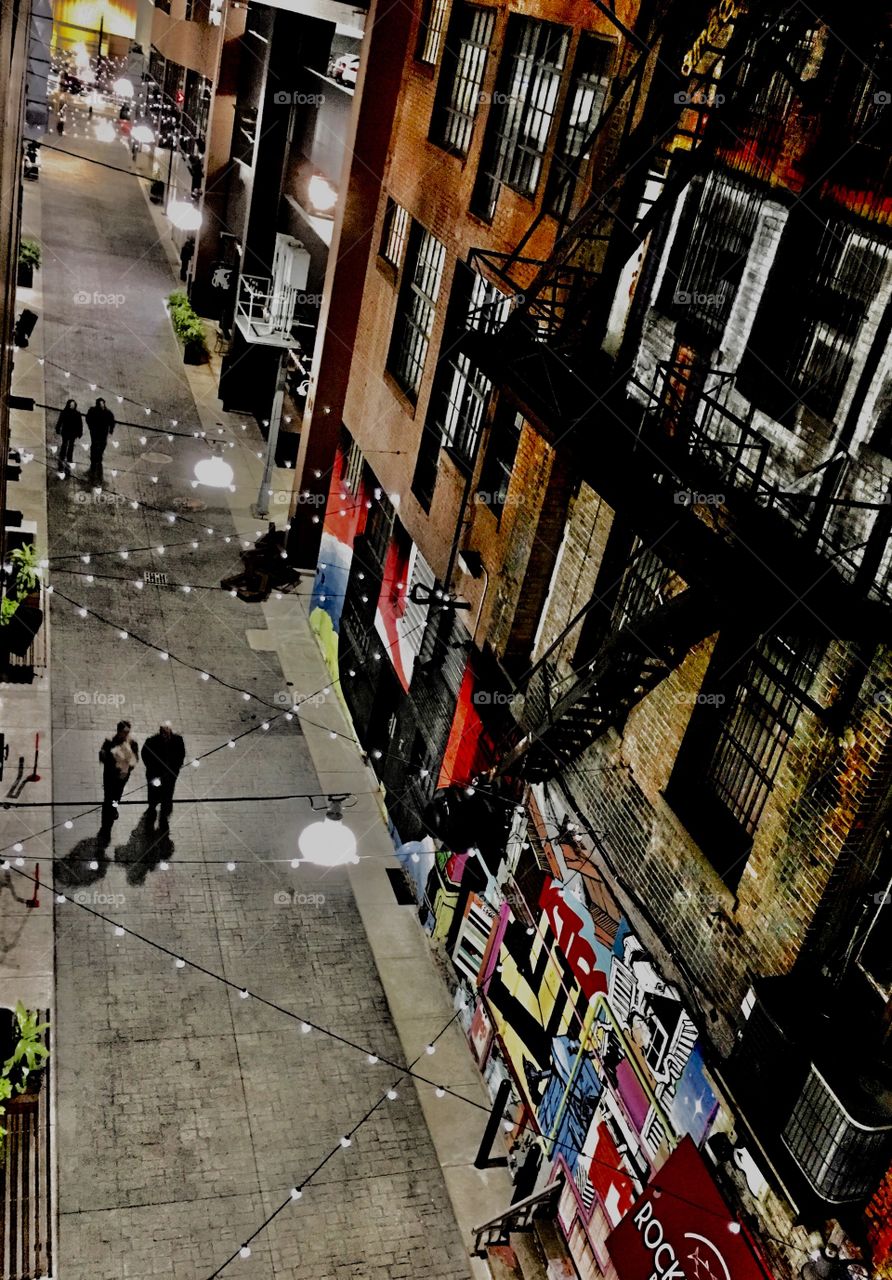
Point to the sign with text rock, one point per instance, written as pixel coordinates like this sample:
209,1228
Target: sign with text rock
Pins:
681,1229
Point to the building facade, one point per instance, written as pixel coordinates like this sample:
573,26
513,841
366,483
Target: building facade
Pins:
603,517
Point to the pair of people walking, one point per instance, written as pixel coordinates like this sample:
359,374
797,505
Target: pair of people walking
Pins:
162,757
70,427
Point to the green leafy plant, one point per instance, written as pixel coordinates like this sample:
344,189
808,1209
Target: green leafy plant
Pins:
29,1055
29,254
27,568
186,323
8,606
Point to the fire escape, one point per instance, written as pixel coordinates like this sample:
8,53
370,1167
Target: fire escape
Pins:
647,449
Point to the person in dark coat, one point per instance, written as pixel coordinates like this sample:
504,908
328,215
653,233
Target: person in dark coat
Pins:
70,427
118,756
100,424
186,253
163,756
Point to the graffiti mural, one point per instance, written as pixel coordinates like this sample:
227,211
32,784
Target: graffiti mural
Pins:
604,1056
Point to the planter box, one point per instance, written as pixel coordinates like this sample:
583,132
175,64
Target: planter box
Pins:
194,353
25,275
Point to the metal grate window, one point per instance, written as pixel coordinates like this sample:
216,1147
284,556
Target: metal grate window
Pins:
464,65
420,289
498,464
709,252
643,587
803,342
758,726
585,105
396,233
430,35
353,468
526,101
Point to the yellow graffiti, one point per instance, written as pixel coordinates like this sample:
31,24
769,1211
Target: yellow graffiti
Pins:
719,24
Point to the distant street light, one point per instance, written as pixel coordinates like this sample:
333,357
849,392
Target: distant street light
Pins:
322,195
142,133
214,472
122,88
185,217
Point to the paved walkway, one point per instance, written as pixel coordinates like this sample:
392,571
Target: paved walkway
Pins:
185,1112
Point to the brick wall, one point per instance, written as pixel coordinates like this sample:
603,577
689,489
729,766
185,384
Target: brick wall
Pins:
436,189
816,834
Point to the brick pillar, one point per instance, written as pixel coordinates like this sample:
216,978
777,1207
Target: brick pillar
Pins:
385,52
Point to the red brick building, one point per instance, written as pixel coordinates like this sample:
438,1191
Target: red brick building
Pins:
605,570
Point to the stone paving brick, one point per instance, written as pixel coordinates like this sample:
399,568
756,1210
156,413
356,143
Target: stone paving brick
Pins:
185,1112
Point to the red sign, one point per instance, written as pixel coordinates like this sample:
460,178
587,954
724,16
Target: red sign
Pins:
681,1229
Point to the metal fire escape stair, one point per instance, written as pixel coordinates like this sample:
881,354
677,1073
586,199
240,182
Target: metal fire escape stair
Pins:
548,350
630,663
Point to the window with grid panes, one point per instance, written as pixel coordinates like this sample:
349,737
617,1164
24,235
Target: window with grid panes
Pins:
520,122
462,391
416,309
825,278
396,233
585,104
709,252
430,34
498,462
743,722
461,75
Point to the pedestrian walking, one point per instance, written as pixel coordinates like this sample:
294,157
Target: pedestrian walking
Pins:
163,756
118,756
100,424
70,427
186,253
60,123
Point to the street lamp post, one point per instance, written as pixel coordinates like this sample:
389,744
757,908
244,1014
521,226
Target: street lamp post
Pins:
261,506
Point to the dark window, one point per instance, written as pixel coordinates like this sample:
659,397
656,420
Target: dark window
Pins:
881,438
802,346
163,5
498,462
416,308
526,99
430,34
395,234
196,106
464,65
585,103
244,134
709,252
738,733
461,392
876,954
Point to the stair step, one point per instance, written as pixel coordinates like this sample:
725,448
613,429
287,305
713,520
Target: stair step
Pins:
528,1255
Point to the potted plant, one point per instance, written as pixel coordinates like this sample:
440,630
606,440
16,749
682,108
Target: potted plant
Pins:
8,607
188,327
29,262
24,1036
26,574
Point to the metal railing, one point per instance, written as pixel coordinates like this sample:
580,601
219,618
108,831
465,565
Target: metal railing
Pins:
732,454
517,1217
267,312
